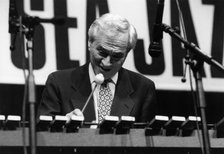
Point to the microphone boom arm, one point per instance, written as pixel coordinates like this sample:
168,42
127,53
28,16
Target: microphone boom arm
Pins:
193,48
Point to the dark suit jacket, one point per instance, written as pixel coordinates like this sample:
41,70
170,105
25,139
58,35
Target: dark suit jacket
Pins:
69,89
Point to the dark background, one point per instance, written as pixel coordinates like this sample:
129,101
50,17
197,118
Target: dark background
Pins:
178,103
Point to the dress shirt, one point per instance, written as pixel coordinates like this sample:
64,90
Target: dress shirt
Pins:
112,85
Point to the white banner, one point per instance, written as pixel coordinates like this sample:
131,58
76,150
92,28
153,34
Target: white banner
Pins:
57,45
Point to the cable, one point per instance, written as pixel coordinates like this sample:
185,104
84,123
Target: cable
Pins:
188,61
195,109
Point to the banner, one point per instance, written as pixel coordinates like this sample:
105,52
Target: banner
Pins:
59,47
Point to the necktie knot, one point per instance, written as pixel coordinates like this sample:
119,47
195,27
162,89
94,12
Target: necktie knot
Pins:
105,83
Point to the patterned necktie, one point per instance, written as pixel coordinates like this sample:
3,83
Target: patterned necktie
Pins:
105,101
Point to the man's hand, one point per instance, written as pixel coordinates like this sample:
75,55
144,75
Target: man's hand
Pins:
75,112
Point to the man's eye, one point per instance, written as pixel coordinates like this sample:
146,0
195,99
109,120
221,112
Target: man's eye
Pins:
117,56
103,54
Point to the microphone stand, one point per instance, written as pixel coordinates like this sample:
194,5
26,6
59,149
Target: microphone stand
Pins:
26,25
200,58
29,32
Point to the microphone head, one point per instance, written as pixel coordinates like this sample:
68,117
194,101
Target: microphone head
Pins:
155,49
99,78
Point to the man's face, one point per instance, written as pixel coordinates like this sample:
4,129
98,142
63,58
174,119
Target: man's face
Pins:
108,53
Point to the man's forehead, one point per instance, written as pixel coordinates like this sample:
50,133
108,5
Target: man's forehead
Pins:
113,46
112,33
119,40
112,49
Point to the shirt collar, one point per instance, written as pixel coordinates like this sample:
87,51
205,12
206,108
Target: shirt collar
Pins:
92,75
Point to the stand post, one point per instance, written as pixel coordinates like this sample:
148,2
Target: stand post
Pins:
31,92
202,106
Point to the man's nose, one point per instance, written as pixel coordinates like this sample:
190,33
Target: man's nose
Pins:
107,61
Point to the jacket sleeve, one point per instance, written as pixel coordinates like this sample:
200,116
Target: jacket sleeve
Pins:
50,101
149,107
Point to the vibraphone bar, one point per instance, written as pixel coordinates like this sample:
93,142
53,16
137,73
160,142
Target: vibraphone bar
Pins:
138,134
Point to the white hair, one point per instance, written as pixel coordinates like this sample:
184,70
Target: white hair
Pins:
115,23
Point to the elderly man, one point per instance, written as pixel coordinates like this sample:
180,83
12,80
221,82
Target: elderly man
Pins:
111,37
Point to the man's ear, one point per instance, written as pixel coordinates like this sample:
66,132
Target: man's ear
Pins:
89,45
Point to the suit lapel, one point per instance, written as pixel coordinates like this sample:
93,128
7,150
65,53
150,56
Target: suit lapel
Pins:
81,89
122,103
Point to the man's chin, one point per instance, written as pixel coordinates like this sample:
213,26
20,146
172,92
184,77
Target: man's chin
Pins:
106,74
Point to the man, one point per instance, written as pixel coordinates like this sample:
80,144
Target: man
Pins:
111,37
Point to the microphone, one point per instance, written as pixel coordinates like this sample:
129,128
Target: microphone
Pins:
155,48
13,17
99,79
13,23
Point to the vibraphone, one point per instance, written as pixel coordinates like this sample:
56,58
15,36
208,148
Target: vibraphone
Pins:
132,137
